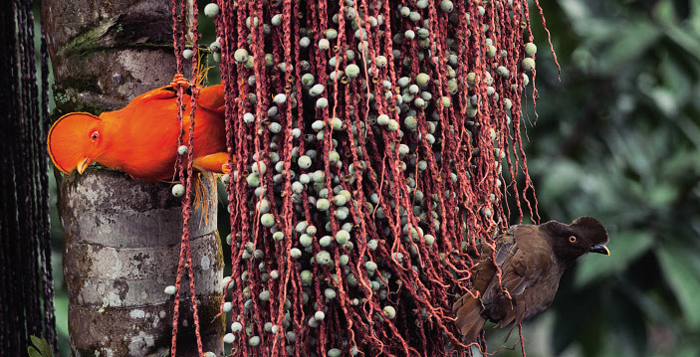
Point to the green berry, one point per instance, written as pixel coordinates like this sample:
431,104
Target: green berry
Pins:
352,70
422,80
307,80
325,241
304,162
389,312
318,125
471,78
178,190
324,258
253,180
319,315
316,90
280,98
507,104
276,20
446,6
528,64
259,168
342,237
491,51
211,10
306,278
323,204
383,119
410,122
306,240
267,220
530,49
229,338
446,102
372,245
333,157
241,55
503,71
371,267
339,200
380,61
215,46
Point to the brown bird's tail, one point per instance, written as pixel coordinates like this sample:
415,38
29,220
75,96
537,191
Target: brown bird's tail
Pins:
468,316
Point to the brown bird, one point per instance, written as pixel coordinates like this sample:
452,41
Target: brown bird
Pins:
532,259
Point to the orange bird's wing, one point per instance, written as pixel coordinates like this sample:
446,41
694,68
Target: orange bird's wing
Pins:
212,98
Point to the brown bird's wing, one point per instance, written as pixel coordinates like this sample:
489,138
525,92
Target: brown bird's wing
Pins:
497,306
468,309
528,265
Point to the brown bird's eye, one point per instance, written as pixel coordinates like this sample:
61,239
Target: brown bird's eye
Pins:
573,239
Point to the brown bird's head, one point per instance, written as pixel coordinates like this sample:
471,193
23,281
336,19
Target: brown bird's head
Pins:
75,142
570,241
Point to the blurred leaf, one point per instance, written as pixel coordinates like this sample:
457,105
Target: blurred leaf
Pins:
681,270
61,308
40,347
685,40
682,8
624,248
574,313
629,42
563,177
626,334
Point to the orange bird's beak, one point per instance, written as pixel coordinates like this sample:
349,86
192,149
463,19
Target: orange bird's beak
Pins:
69,141
83,164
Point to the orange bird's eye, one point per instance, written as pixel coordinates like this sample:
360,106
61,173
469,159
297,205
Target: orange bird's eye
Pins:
573,239
94,135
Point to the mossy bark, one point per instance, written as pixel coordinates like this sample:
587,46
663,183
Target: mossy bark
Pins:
122,235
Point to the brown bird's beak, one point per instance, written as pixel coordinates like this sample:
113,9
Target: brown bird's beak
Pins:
83,164
599,248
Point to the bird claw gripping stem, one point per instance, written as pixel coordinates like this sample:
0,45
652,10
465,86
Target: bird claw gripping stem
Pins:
180,81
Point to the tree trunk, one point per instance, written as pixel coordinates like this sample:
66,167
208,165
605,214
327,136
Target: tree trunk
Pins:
121,251
122,235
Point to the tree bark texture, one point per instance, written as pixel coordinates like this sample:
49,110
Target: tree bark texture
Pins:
121,251
122,235
105,53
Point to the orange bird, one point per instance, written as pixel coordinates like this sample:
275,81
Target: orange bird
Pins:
141,139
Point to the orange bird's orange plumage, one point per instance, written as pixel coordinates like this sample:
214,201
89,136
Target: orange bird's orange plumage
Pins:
141,139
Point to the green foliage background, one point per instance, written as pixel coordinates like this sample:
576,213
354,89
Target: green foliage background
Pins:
618,139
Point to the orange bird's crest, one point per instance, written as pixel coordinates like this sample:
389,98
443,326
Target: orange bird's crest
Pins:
72,140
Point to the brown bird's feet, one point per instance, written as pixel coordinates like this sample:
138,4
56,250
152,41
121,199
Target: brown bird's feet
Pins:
180,81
